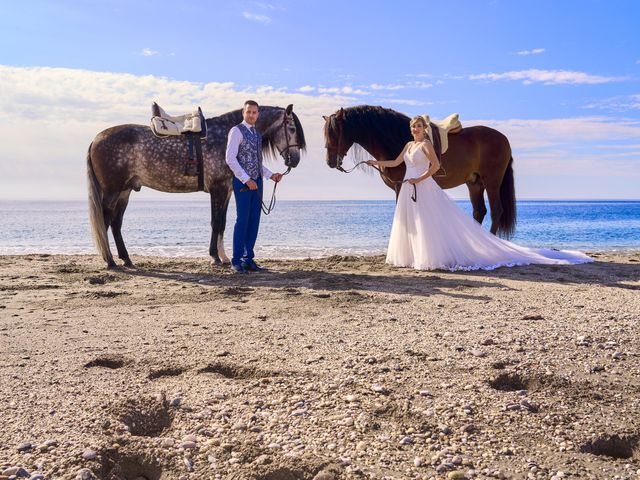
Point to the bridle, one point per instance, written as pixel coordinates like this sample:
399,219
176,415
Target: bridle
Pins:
284,153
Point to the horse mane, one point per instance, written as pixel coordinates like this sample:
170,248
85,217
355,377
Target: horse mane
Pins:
269,149
389,128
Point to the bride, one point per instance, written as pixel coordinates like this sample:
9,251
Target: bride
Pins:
431,232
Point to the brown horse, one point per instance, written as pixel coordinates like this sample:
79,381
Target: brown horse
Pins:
127,157
478,156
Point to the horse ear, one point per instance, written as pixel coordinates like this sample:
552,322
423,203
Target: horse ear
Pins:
340,114
289,109
326,119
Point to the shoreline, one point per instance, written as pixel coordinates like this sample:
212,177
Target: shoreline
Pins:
341,367
630,251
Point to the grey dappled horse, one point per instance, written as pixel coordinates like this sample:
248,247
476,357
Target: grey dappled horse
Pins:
128,157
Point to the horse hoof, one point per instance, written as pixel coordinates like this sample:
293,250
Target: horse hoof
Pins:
129,264
111,265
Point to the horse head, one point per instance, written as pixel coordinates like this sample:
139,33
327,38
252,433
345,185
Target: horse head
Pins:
283,132
337,142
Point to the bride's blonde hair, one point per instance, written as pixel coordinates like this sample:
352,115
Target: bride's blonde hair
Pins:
416,119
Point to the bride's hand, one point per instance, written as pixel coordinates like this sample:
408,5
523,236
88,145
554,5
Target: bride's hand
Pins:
414,181
371,163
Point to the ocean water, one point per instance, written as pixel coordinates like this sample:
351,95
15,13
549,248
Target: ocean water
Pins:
301,229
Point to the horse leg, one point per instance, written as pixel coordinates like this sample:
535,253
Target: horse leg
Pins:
493,194
109,201
476,195
220,195
116,227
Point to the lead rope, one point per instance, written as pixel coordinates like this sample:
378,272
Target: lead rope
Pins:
414,196
272,204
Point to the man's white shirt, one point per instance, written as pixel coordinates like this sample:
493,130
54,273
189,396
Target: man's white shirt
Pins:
231,157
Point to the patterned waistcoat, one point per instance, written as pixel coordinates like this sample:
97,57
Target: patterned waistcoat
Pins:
250,152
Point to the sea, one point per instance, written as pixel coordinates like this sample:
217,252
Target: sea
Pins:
300,229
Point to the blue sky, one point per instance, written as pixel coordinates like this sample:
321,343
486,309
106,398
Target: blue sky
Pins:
560,79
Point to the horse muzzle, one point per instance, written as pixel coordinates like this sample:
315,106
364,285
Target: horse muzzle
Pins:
291,157
335,160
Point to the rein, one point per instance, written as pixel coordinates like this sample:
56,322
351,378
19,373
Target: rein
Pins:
414,196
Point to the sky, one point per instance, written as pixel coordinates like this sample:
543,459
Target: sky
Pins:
560,79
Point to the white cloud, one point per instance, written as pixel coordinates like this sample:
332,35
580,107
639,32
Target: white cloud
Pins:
256,17
547,77
535,51
147,52
306,88
348,90
377,86
410,102
571,146
422,84
618,104
65,108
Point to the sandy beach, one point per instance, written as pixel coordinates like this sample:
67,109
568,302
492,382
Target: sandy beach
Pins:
321,369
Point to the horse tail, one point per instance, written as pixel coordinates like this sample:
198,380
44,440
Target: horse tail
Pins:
507,222
96,215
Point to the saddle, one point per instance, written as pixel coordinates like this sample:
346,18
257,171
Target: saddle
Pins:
190,125
439,135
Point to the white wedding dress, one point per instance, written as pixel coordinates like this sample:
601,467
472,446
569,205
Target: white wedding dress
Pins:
434,233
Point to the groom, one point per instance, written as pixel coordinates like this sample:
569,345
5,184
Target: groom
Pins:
244,157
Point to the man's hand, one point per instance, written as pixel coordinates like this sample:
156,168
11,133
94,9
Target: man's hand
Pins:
276,177
251,184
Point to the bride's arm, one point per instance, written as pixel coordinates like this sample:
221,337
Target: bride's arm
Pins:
389,163
433,158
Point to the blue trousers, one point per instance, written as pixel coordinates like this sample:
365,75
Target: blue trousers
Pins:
248,210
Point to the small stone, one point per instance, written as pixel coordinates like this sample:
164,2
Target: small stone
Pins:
425,393
406,441
36,476
418,461
488,341
176,402
274,446
478,353
89,454
532,407
189,438
350,398
85,474
168,442
188,463
24,447
262,460
616,355
379,389
361,446
324,476
456,475
187,445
